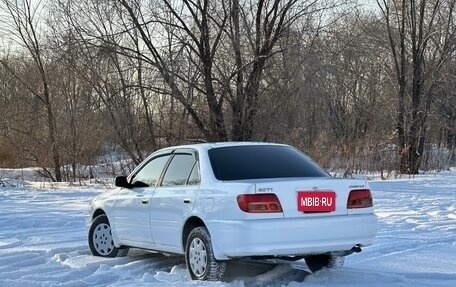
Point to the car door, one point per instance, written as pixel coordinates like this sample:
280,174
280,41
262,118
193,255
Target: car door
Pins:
132,206
173,199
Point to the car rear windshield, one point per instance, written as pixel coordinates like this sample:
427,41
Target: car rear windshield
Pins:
262,161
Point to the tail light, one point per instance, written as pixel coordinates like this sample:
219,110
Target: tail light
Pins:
259,203
359,198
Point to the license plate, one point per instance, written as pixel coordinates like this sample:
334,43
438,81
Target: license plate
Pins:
317,201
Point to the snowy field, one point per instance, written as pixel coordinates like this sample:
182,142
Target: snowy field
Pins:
43,243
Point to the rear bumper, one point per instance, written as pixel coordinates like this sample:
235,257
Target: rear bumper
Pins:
288,237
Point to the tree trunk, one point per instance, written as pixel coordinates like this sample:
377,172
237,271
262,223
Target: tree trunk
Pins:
52,136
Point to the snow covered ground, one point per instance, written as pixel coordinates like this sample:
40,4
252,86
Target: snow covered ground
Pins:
43,243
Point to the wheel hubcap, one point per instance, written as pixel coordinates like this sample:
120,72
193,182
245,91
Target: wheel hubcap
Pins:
102,239
198,257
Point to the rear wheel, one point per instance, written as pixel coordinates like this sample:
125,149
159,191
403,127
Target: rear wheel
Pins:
100,238
199,257
317,262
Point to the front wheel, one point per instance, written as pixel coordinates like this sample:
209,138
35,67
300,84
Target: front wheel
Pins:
100,239
199,257
317,262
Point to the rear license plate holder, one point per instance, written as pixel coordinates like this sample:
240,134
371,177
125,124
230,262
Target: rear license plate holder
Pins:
316,201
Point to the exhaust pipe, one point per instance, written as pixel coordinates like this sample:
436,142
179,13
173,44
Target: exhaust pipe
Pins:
356,248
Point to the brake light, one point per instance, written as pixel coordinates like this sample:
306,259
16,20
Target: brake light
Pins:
359,198
259,203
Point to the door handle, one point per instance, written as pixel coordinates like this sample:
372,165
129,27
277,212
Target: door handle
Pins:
187,200
145,200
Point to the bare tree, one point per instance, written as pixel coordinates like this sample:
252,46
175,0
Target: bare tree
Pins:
421,38
116,81
225,44
23,24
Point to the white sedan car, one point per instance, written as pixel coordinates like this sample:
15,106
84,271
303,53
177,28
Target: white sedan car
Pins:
219,201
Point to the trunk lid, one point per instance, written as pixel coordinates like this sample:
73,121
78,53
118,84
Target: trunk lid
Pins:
291,191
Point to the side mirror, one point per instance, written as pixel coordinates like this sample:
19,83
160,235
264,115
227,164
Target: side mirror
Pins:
121,181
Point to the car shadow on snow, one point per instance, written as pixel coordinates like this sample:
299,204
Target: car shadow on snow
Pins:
255,273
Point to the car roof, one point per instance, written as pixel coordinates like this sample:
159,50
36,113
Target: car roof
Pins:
211,145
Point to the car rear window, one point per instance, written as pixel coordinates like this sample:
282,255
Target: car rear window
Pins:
262,161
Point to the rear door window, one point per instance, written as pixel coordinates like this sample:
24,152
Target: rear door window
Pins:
179,170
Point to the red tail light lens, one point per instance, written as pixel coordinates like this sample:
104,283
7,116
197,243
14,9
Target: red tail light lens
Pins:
259,203
359,198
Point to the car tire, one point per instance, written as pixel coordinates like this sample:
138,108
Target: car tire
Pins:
100,239
199,257
317,262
